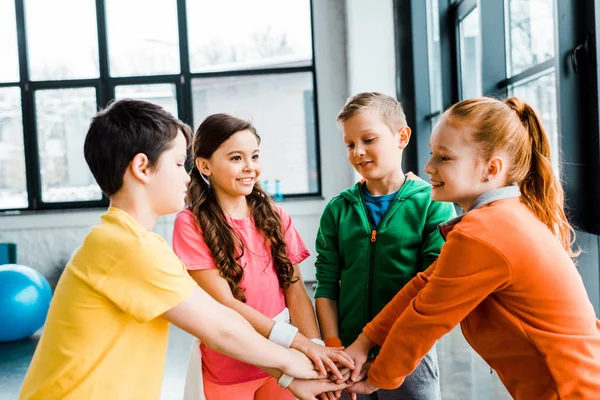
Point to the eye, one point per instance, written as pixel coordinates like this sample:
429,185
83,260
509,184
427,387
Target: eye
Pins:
236,158
255,157
180,165
350,146
368,141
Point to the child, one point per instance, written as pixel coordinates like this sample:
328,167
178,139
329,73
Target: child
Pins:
505,272
106,332
375,236
245,252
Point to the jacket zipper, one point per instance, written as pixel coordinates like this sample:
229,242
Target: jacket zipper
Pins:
373,254
370,301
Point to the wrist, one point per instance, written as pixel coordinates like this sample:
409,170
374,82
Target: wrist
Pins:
333,342
370,385
364,343
300,343
318,341
283,334
284,381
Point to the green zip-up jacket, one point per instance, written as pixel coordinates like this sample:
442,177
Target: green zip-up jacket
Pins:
363,268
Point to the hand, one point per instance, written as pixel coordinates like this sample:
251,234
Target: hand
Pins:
362,387
359,351
346,372
300,366
310,389
325,358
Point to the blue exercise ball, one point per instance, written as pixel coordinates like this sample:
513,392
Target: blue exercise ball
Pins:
24,301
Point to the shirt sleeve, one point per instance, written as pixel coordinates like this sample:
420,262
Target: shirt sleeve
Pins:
433,241
148,282
328,263
189,244
295,248
467,271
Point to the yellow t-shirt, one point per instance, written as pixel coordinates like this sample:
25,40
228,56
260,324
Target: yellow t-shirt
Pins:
105,337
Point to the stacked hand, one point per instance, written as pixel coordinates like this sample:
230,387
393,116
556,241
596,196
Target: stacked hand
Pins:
327,358
356,378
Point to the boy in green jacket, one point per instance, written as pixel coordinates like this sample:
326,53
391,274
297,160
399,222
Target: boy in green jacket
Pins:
377,235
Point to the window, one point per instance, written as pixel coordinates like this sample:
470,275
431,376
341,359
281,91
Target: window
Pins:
531,65
543,51
192,57
470,55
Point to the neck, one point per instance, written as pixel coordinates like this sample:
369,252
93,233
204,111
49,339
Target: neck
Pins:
235,206
386,185
140,210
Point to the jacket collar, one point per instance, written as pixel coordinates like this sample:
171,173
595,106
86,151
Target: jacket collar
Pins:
507,192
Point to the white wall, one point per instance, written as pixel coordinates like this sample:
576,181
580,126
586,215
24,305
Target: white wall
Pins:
46,240
371,46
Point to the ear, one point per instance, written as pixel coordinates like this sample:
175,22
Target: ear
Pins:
139,167
203,166
403,137
495,168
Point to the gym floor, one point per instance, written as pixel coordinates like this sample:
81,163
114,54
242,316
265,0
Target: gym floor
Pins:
464,375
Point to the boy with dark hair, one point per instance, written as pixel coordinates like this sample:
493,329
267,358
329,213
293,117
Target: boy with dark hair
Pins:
107,329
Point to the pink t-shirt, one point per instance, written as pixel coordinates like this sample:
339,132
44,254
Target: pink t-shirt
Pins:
260,281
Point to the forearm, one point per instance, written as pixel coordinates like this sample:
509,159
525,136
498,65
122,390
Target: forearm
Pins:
260,322
239,340
225,331
327,314
302,313
378,329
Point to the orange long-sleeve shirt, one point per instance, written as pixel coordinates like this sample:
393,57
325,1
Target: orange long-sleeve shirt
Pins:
519,299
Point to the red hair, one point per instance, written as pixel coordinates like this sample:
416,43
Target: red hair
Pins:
514,126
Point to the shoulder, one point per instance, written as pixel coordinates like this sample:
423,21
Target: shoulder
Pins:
186,220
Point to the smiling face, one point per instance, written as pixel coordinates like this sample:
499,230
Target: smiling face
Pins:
373,149
456,167
234,167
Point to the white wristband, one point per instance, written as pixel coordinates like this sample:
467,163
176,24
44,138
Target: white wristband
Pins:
318,341
283,334
284,381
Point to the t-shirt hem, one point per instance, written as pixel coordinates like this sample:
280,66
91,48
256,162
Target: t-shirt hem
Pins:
236,381
299,257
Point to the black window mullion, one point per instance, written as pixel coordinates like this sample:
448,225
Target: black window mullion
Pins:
184,87
572,118
449,56
315,96
104,92
32,162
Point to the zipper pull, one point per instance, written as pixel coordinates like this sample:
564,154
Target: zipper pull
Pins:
373,236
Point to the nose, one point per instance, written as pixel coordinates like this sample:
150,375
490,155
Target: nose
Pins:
428,167
359,151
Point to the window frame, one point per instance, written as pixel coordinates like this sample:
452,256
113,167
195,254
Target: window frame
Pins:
577,93
105,91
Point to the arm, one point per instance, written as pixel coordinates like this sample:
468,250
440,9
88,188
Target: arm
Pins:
216,286
225,331
328,274
327,313
380,326
433,241
301,309
467,271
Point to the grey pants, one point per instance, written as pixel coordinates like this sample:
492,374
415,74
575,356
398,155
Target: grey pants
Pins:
422,384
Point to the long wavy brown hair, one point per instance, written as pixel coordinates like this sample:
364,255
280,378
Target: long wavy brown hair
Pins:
514,126
223,241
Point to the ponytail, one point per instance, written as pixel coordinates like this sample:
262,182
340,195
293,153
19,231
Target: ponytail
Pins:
541,189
